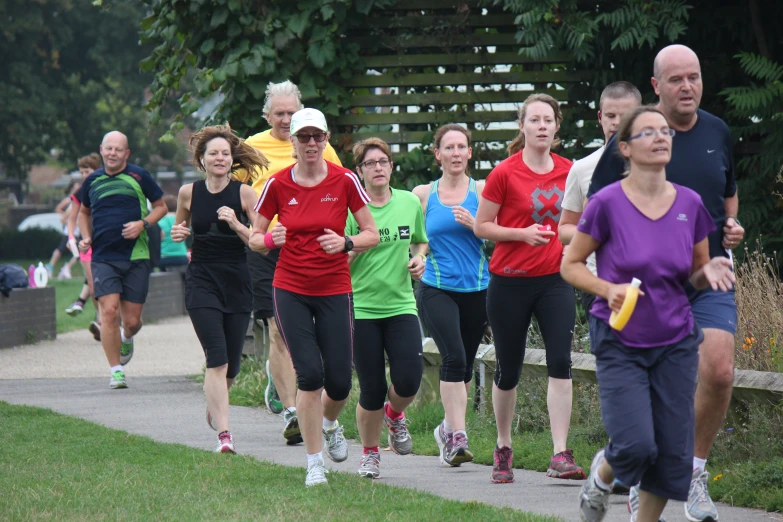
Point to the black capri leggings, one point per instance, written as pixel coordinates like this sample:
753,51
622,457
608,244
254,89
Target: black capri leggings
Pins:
400,337
456,322
511,304
318,332
222,336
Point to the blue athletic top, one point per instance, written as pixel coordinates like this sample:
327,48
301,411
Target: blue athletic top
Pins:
116,199
457,260
702,160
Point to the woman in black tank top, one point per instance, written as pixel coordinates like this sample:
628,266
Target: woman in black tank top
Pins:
218,293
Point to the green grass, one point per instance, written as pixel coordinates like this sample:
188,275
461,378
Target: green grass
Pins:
748,454
66,292
62,468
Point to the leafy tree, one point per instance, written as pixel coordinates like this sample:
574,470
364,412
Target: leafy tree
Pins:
237,47
30,73
619,39
70,73
758,109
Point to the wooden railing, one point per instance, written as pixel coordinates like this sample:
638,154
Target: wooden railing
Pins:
749,385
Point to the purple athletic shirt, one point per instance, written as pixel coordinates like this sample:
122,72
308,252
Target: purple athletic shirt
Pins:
659,253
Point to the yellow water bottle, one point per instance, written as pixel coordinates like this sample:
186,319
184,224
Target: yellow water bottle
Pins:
619,320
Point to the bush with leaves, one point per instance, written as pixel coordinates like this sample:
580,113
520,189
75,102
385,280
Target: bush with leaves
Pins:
758,109
235,48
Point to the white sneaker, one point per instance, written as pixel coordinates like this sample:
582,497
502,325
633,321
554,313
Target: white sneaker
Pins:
700,507
65,273
370,464
593,501
316,473
336,445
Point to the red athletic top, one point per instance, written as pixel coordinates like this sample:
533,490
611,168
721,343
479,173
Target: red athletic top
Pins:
304,267
526,198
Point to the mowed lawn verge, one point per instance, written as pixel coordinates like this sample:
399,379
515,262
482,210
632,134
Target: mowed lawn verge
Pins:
63,468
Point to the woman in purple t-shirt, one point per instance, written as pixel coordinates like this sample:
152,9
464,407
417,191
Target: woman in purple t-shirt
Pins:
648,228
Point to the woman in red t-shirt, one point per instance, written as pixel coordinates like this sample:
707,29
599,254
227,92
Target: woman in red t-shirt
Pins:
519,210
312,284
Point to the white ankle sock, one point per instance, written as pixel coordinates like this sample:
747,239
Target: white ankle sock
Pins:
122,336
600,484
447,427
329,424
117,368
313,458
699,463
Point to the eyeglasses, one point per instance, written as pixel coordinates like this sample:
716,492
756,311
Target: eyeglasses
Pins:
649,132
305,138
370,164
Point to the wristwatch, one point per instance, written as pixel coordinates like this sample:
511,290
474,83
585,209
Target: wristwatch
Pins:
348,244
146,224
737,221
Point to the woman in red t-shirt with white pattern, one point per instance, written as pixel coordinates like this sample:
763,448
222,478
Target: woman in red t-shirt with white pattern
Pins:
519,210
312,284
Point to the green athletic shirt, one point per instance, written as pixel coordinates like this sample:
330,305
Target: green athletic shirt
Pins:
381,282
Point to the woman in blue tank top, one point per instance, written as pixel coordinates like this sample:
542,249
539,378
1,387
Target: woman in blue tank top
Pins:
453,291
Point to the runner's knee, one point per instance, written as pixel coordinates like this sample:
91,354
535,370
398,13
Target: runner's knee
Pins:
372,399
338,389
453,367
407,385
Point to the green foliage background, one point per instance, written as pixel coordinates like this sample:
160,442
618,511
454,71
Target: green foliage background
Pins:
70,73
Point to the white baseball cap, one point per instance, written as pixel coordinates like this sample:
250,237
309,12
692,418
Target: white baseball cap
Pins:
308,118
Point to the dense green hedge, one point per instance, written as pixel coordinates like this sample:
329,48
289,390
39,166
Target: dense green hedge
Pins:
34,243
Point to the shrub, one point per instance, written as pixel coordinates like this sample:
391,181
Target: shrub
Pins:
35,243
759,312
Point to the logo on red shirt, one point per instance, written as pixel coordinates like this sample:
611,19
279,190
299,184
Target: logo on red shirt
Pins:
547,203
327,199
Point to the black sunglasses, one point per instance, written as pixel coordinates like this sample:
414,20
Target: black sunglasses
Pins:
305,138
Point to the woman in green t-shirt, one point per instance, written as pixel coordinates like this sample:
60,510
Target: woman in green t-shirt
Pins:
384,307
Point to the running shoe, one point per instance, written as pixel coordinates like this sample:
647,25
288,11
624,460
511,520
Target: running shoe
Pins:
444,441
65,273
210,421
459,452
700,507
563,466
336,445
49,270
633,503
316,473
118,380
225,443
399,437
271,398
75,309
291,432
502,471
370,464
593,501
95,330
126,351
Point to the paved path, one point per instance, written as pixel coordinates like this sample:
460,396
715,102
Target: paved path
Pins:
69,376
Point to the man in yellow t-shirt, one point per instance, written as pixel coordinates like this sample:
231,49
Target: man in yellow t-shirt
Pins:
282,101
